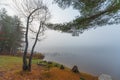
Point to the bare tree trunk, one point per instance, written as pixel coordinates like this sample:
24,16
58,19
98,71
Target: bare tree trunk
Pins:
33,47
25,66
31,9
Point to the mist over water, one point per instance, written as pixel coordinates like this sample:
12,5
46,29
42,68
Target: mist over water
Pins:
96,51
91,60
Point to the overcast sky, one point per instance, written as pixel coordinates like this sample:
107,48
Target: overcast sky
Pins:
58,15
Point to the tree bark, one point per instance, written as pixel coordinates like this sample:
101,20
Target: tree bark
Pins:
25,66
33,47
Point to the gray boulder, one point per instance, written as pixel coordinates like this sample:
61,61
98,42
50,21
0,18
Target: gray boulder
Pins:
104,77
75,69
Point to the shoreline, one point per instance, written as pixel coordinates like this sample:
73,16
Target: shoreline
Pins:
70,67
11,64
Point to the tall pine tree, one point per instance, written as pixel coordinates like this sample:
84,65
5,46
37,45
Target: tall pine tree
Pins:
12,33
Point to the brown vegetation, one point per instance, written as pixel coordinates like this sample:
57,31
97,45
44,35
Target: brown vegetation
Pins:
41,73
10,69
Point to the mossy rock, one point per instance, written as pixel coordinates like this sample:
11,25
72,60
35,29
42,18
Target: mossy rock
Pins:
56,65
49,62
62,67
82,78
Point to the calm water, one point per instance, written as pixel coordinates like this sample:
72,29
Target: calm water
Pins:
95,51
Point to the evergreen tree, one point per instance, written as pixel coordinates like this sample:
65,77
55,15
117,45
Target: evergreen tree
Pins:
93,13
12,30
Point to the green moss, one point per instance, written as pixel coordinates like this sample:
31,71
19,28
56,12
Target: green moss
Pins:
82,78
7,62
48,64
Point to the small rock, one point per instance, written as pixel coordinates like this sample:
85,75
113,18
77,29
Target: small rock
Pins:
82,78
62,67
49,62
56,65
104,77
75,69
40,64
45,61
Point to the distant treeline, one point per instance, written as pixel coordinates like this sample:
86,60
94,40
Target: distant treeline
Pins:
11,33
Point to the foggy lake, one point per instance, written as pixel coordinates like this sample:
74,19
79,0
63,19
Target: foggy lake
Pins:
95,51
